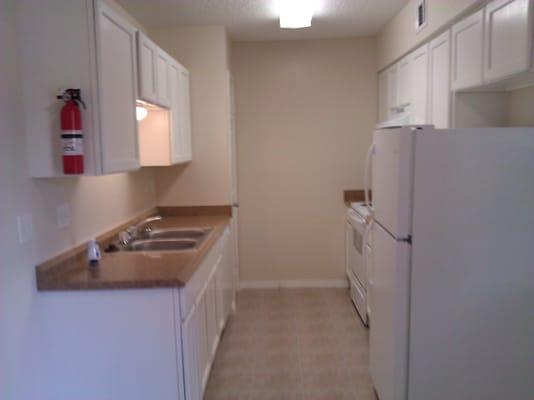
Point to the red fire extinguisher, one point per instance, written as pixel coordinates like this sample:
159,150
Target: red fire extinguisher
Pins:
71,132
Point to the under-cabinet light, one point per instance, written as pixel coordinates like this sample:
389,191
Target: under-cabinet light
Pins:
141,113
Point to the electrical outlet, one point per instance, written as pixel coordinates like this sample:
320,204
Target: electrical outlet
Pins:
63,215
25,228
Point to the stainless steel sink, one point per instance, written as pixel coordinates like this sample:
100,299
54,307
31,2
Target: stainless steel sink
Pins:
186,233
162,244
163,239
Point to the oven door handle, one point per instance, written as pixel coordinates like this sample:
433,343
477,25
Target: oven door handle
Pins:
367,171
365,238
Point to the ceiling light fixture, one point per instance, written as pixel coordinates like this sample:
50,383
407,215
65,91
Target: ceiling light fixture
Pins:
295,14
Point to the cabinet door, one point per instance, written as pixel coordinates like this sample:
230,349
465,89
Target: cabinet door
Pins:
146,52
439,81
162,78
383,96
202,342
185,114
404,86
117,69
392,97
467,45
508,38
191,361
228,265
419,85
211,317
177,146
219,296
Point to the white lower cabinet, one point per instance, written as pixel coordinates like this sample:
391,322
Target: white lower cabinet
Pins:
205,318
228,270
211,313
220,313
191,358
202,336
136,344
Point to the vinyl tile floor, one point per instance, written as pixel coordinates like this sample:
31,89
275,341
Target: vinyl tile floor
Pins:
292,344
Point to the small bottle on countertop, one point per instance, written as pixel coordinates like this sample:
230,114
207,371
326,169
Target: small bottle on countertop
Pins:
93,252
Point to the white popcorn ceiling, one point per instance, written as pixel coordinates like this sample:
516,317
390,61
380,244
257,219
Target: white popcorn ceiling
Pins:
258,19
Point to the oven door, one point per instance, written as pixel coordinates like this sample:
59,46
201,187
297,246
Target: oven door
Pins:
356,247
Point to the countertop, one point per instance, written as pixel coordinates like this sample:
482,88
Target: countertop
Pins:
127,270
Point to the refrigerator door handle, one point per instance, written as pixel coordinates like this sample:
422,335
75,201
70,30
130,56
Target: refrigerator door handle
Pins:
367,171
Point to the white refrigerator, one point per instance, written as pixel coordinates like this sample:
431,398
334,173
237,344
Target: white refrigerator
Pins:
453,279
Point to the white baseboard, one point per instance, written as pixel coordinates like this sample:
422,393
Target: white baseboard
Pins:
294,284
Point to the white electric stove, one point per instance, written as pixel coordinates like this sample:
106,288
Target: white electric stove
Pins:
358,256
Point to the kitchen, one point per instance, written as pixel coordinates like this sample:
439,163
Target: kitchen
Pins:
251,142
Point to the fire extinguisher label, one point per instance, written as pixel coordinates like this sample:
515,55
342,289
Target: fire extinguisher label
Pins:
72,145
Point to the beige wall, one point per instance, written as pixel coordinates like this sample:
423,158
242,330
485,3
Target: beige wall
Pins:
97,204
207,179
520,112
305,116
399,35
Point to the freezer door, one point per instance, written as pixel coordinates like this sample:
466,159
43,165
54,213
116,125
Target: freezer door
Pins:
392,179
472,275
389,324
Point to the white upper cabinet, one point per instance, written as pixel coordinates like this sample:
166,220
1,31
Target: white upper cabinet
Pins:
439,89
508,38
146,52
382,96
419,85
117,83
404,86
392,92
181,150
177,137
185,114
162,78
490,50
87,45
165,134
467,51
153,64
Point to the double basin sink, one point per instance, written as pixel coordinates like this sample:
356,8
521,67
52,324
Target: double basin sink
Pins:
171,239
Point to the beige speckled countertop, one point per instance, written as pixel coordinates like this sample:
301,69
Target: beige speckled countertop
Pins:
126,270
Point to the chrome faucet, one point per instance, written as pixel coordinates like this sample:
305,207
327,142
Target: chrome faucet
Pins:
133,231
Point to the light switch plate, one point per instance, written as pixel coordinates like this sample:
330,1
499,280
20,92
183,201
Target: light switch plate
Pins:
63,215
25,228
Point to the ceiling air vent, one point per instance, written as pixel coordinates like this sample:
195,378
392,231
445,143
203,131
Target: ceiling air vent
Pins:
420,15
